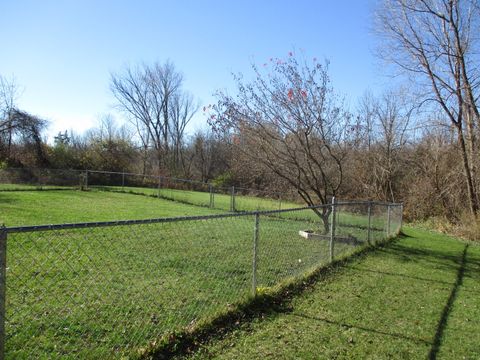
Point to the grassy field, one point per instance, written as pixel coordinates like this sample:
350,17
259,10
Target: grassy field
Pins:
350,219
415,298
347,216
52,207
110,291
202,198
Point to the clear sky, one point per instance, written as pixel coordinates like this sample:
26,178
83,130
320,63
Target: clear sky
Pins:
62,52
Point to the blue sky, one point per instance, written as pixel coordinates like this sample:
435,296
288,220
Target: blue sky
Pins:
62,52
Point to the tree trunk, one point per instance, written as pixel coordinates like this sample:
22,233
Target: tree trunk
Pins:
472,192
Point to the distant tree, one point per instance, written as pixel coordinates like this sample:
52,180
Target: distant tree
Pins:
209,155
433,187
65,152
382,132
26,130
62,139
9,93
153,99
182,109
435,43
110,147
291,121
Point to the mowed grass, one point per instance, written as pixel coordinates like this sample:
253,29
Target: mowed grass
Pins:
350,218
220,201
111,291
20,208
415,298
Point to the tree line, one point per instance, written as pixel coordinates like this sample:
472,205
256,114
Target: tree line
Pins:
288,129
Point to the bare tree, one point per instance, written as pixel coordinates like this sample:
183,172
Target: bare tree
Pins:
290,120
382,134
9,93
434,185
182,109
149,95
435,41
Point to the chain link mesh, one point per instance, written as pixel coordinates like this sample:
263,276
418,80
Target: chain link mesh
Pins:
101,292
288,247
181,190
112,290
41,179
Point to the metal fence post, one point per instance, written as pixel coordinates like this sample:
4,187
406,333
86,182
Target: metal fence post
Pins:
332,230
401,218
212,199
388,220
255,251
86,179
3,282
369,230
159,186
232,200
123,180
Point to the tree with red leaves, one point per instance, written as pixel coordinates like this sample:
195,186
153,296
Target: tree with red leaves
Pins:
290,119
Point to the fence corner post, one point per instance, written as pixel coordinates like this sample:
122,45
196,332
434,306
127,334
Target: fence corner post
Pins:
3,283
255,253
332,229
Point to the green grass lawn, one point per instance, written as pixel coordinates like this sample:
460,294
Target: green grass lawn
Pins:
110,291
202,198
415,298
53,207
352,220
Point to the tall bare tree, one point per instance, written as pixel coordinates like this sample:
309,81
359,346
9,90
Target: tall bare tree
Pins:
290,120
149,96
382,137
181,110
436,43
9,93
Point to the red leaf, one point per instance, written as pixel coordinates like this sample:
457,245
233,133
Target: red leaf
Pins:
290,94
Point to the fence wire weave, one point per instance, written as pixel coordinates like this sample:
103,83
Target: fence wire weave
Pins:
106,290
181,190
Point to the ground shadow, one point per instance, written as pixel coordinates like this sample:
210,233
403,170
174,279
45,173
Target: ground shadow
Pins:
442,323
375,331
280,304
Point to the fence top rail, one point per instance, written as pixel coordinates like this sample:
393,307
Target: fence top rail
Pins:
192,181
162,177
366,202
48,227
32,228
40,169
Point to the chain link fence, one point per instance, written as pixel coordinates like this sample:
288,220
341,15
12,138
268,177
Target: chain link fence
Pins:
181,190
113,289
40,179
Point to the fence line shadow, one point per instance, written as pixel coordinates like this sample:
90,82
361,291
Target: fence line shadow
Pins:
402,276
442,323
375,331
